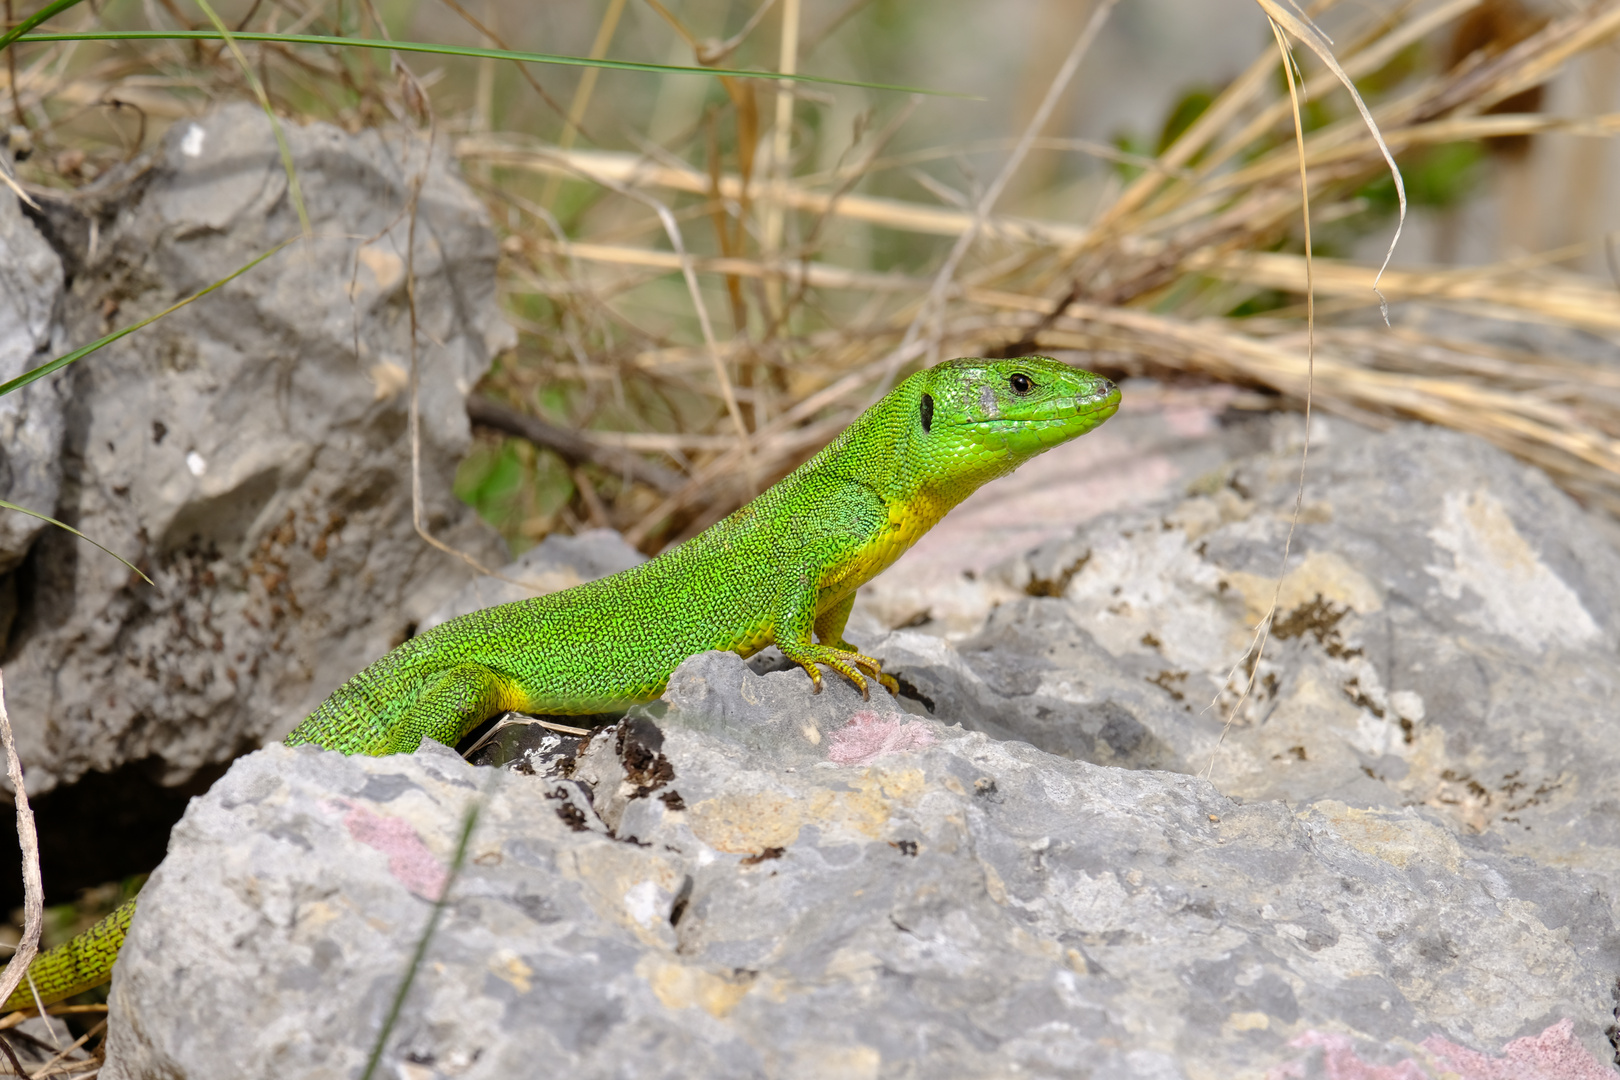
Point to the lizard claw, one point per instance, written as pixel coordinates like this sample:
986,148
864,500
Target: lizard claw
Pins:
846,663
866,663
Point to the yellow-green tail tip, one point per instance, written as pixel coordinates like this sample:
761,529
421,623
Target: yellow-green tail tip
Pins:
74,966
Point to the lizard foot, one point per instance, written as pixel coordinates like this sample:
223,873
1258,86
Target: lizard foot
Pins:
846,662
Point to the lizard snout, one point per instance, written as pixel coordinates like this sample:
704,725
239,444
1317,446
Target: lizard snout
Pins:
1101,391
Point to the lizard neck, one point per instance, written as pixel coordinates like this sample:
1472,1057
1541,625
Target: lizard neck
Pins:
914,492
909,518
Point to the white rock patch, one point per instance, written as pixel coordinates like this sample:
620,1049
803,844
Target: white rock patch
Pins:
1523,599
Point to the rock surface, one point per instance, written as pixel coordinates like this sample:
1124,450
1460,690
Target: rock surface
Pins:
751,880
30,418
249,451
1446,637
1162,439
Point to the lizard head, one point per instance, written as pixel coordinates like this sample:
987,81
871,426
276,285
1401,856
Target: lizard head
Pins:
975,420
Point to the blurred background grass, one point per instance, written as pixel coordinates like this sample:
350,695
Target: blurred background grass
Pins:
834,206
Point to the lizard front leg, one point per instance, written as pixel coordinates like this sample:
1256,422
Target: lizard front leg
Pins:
793,638
830,631
453,702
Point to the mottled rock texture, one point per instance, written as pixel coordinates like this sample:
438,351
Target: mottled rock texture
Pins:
1446,637
713,894
30,418
251,451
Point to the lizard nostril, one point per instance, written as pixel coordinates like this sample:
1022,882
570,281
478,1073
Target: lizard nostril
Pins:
1100,391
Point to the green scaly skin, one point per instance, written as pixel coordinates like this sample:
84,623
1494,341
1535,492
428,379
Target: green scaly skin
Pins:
780,569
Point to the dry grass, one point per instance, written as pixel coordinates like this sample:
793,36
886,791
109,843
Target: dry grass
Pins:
720,302
28,841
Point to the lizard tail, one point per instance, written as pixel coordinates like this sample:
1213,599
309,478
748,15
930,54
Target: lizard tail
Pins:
74,966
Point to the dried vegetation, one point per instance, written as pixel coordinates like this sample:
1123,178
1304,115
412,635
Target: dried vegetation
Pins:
720,296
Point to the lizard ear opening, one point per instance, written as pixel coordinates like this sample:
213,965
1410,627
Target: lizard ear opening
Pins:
927,412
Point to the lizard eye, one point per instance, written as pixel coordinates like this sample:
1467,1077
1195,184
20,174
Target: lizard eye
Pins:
1020,383
927,412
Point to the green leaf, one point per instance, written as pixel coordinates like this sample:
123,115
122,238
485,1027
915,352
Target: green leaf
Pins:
1187,109
48,11
469,51
34,514
1440,175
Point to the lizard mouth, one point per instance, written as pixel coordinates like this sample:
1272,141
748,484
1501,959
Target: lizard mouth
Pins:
1100,407
1092,419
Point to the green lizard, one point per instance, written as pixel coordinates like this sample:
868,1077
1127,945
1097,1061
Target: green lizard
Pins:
781,567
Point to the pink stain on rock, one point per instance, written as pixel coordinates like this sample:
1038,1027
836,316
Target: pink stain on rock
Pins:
409,859
1555,1054
868,736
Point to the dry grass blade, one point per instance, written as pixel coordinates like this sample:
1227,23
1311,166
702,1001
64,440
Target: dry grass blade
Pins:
1262,631
808,274
8,1022
28,839
585,90
781,148
10,181
635,170
1377,53
931,304
1569,301
294,188
573,448
57,1065
1555,437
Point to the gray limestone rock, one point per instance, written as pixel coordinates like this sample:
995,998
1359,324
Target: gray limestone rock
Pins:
251,451
30,418
1446,637
750,880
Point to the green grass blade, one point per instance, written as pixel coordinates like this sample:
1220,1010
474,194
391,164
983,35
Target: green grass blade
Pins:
470,51
468,822
47,12
79,354
60,525
293,190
